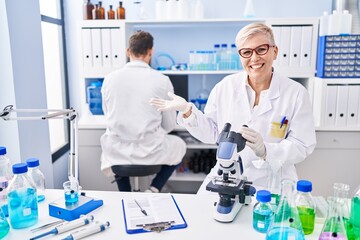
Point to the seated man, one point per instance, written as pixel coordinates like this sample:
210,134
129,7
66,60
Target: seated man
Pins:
136,132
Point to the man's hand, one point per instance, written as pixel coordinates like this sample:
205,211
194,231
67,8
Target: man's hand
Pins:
254,141
176,103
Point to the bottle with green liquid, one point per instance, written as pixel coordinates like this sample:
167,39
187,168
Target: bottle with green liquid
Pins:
355,213
305,205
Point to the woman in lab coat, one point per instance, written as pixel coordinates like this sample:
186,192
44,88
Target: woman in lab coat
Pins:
136,133
276,109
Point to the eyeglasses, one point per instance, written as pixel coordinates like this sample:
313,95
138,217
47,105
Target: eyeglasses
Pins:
260,50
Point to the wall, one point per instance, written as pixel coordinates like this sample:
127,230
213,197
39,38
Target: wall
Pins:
24,81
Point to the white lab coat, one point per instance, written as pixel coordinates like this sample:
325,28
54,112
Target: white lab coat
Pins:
136,132
228,102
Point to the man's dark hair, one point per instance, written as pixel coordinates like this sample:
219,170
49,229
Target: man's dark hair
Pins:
140,42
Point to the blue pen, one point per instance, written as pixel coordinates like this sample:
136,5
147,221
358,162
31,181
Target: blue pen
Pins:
282,121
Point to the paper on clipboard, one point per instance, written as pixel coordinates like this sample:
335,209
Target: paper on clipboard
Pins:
159,208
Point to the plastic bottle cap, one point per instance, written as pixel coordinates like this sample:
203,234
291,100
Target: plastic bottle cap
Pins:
263,196
32,162
2,150
304,186
216,45
19,168
224,45
233,45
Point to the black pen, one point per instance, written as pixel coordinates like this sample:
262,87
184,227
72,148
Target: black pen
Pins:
142,210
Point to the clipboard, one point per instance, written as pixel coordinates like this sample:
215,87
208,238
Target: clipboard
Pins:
162,211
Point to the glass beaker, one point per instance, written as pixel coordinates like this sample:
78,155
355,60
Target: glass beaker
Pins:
355,213
334,227
286,222
4,225
71,190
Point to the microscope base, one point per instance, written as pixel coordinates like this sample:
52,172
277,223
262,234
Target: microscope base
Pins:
67,212
227,217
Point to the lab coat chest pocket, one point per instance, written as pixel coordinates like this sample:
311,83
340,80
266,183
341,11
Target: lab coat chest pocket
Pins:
277,128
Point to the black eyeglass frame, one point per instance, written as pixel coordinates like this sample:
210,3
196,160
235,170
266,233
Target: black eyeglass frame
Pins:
256,50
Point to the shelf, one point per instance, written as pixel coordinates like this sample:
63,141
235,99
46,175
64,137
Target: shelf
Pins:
188,176
189,72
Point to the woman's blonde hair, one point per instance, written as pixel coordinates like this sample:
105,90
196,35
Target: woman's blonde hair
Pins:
252,29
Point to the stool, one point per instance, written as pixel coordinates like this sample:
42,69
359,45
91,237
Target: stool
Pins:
135,171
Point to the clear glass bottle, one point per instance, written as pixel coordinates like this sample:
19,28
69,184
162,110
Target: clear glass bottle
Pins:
4,225
120,11
87,10
37,176
5,177
334,227
346,213
305,205
111,13
355,213
22,198
262,212
286,222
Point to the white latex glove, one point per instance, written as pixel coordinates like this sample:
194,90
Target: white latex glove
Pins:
254,141
176,103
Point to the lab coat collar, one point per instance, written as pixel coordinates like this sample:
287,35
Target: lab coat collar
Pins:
272,93
137,63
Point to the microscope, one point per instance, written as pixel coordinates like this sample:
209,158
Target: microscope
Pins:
233,188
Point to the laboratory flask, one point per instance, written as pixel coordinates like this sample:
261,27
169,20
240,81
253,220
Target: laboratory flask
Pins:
355,213
305,205
37,176
22,198
334,227
262,212
286,222
4,225
5,177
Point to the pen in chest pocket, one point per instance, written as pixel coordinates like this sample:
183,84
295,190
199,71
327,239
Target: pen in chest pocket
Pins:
283,121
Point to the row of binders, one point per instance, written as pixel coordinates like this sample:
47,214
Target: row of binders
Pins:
294,43
342,107
102,48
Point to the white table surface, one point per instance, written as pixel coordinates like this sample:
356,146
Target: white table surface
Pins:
197,211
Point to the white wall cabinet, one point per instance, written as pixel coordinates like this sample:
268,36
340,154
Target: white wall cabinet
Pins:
297,40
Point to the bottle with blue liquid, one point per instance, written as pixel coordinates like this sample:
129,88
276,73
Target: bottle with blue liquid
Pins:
95,98
4,225
22,198
286,222
262,212
5,177
37,176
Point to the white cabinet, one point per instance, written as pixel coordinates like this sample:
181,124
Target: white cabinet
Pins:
337,104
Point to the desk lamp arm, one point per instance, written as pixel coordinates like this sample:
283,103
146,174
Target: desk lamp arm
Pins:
70,114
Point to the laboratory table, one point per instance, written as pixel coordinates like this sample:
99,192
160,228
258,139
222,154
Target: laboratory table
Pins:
196,209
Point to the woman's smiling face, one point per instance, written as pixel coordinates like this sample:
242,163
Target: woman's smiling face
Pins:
259,67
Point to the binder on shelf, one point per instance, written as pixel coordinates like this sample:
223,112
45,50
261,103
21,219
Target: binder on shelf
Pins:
341,105
330,108
86,48
277,37
152,212
306,42
353,106
284,48
116,45
96,47
106,47
295,46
